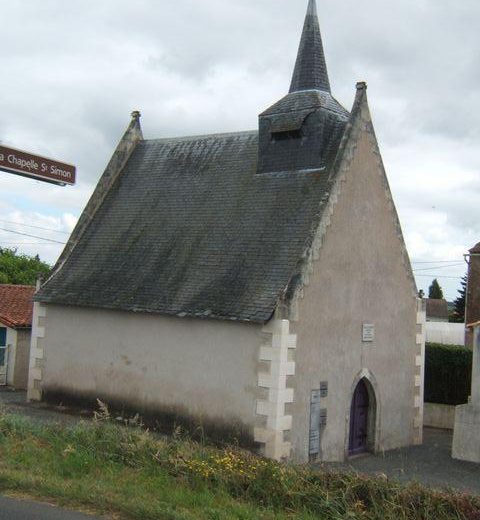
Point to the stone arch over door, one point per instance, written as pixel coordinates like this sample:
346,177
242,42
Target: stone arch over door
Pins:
364,399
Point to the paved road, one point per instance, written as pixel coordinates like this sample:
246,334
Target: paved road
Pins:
430,464
11,509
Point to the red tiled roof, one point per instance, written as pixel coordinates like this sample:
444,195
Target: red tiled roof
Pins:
16,305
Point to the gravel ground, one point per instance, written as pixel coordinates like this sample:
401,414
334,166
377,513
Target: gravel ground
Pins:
15,401
431,464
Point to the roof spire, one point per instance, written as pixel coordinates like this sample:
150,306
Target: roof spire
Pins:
312,8
310,69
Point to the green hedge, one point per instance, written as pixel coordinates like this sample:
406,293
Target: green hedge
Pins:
448,373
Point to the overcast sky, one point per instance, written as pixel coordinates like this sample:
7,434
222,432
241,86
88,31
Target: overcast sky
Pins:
73,71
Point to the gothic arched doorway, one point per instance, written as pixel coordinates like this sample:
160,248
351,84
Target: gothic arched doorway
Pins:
362,419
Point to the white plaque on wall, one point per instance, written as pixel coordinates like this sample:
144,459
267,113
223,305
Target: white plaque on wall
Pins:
368,333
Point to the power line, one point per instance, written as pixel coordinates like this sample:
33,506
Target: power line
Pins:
22,243
36,227
45,244
32,236
438,267
437,261
439,276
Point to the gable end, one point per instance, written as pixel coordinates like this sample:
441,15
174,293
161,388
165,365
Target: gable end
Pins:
360,123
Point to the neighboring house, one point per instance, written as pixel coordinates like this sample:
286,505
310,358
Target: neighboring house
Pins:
254,283
16,306
437,310
472,299
437,328
445,333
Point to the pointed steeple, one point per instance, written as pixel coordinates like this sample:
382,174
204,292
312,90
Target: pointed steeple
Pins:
310,69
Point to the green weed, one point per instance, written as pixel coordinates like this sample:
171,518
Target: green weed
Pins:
112,468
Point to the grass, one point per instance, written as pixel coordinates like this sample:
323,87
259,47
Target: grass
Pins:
131,473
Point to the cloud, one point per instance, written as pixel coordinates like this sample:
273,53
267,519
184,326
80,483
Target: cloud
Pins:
74,71
35,233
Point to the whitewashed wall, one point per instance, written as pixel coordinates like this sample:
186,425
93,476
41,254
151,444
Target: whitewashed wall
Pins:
445,333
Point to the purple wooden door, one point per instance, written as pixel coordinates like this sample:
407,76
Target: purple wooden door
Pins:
359,420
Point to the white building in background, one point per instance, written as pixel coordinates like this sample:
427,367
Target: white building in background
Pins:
445,333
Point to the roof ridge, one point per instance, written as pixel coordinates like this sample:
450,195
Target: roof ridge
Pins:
199,136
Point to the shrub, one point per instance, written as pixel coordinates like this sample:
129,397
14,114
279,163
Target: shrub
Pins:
448,374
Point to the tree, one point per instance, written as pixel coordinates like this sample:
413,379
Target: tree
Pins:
435,291
20,269
458,314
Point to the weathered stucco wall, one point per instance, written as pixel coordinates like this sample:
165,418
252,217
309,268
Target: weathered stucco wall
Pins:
466,440
193,368
360,277
439,416
22,357
445,333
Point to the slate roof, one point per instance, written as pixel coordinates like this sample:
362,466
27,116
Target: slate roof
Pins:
310,68
320,119
302,103
192,227
16,305
189,229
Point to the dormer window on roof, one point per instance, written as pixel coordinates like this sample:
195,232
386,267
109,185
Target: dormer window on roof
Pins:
302,131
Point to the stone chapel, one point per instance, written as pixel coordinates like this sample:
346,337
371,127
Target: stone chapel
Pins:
252,283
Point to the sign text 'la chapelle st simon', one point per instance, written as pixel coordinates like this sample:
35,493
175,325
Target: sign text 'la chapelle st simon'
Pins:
40,168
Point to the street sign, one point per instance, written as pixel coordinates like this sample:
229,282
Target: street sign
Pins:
36,167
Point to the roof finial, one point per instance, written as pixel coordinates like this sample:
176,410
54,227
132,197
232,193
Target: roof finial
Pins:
312,8
310,69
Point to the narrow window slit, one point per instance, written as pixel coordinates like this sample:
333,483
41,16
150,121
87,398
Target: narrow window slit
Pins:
288,135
